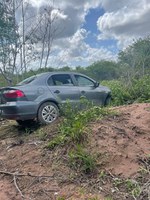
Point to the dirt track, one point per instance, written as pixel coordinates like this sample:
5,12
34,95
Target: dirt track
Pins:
122,141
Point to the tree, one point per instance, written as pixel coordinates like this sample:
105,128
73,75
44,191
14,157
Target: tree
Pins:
8,42
103,70
137,56
46,32
19,38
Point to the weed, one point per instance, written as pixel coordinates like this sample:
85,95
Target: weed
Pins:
82,191
144,171
108,198
102,174
59,140
73,130
60,198
73,127
118,182
41,134
81,159
133,187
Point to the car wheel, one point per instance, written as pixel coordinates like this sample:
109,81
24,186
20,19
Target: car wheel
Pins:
107,101
48,113
28,122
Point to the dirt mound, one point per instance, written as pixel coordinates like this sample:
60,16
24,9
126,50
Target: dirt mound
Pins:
122,141
124,138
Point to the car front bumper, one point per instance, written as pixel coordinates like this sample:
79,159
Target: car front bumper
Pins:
20,110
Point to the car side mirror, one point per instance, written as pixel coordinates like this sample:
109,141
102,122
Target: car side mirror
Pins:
96,84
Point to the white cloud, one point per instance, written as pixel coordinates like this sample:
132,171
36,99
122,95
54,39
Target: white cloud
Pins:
74,51
69,46
74,13
124,20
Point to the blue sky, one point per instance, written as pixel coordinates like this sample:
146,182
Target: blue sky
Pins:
91,26
94,30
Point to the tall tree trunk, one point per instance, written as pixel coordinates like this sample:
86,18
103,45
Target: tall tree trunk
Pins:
23,39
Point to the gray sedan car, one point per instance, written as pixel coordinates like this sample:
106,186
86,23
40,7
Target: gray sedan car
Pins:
41,96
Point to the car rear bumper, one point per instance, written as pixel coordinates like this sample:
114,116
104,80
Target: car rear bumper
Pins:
19,110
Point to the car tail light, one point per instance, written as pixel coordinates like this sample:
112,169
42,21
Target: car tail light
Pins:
14,94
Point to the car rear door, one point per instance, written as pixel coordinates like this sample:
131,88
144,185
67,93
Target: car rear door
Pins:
63,88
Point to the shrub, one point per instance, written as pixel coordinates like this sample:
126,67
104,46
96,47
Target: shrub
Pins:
120,93
138,90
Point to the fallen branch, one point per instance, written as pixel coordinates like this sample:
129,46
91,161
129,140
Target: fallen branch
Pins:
16,174
17,187
28,174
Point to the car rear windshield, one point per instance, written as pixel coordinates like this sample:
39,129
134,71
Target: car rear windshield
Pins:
28,80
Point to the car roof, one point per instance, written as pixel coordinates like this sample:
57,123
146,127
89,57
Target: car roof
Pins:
60,72
64,72
41,77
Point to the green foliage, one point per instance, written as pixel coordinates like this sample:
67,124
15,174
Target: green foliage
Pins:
123,93
72,129
8,42
93,198
101,70
140,89
80,159
137,56
120,93
6,24
118,182
58,140
41,134
133,187
108,198
3,82
102,174
61,198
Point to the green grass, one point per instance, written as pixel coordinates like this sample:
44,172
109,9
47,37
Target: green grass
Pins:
73,132
73,128
80,159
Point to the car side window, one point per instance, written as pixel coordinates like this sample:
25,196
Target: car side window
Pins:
83,81
60,80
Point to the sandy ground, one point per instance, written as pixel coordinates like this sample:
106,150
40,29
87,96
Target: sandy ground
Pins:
122,142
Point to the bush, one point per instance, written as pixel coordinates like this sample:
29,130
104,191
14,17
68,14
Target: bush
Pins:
124,93
140,89
120,92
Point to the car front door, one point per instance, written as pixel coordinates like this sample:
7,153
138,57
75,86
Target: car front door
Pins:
88,90
63,88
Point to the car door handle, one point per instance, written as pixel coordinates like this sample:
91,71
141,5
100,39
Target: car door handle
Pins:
56,91
83,92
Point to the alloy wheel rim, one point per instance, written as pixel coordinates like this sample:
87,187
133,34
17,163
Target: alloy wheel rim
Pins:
49,113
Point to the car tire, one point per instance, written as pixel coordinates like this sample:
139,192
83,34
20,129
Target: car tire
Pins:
47,113
25,123
107,101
